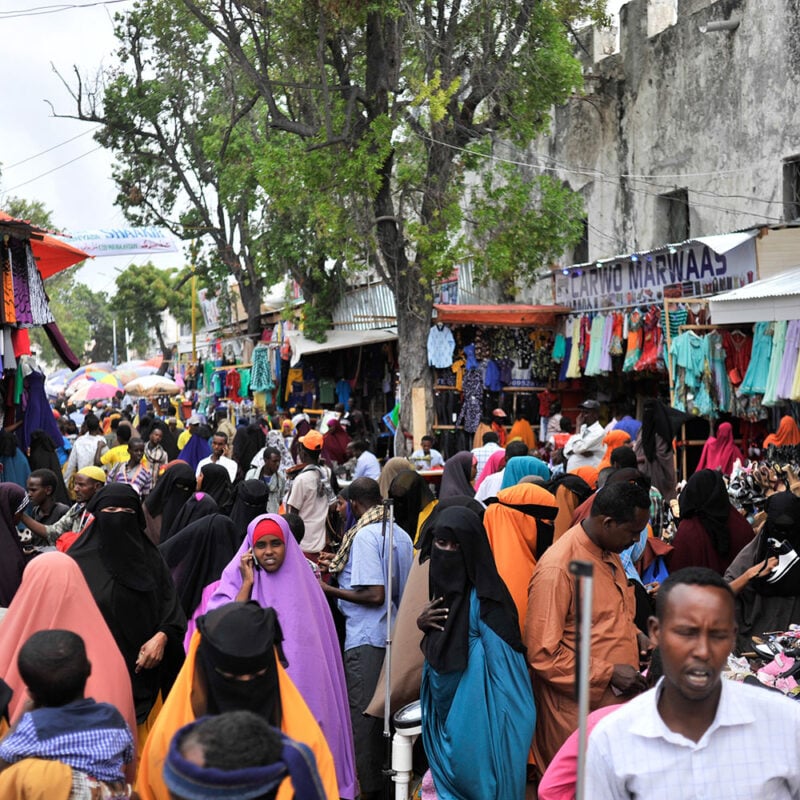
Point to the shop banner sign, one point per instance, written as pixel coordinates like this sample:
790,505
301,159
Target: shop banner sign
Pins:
123,241
691,271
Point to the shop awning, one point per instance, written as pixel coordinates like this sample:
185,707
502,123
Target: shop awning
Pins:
766,300
499,315
337,340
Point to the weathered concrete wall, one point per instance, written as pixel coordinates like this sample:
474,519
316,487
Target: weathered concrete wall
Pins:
715,114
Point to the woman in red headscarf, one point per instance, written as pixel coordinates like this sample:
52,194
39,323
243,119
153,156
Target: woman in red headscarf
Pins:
335,441
720,451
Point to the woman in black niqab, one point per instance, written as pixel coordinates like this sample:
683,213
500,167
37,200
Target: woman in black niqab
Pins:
216,481
171,492
453,574
249,502
133,589
43,456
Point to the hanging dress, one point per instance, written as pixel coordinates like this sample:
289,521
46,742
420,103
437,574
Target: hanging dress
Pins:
634,350
791,351
775,363
595,346
573,367
755,379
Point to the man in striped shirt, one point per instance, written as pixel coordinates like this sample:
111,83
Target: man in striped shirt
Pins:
132,471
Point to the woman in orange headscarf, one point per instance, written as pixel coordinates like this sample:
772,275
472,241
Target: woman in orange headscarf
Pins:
612,440
787,434
54,594
520,528
589,474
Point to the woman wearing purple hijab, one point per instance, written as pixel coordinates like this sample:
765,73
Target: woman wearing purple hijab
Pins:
271,569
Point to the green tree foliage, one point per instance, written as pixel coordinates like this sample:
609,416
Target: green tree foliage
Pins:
379,110
144,292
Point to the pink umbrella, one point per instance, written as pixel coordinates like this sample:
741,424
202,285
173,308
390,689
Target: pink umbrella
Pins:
102,391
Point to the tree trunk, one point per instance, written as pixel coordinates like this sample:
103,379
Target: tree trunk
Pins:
251,300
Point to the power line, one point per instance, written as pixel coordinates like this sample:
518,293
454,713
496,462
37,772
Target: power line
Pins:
54,169
50,149
39,11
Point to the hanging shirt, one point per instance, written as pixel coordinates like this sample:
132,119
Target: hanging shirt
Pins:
343,391
441,346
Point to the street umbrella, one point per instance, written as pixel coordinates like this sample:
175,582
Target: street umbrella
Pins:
114,380
152,385
92,391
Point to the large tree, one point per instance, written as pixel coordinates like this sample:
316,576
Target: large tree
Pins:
179,119
144,293
378,109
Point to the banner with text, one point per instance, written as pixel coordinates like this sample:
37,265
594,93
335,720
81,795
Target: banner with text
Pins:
124,241
691,271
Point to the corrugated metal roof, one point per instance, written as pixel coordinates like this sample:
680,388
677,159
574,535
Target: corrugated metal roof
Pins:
782,285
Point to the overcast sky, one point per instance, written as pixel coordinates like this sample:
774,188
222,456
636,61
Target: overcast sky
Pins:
80,194
38,162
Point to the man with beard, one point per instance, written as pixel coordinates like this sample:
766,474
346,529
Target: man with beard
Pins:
233,665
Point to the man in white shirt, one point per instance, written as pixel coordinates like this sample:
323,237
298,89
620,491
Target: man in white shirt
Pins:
86,447
367,465
695,735
219,444
585,448
492,484
426,457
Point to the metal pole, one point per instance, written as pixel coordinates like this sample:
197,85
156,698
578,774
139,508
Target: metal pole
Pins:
114,335
194,308
387,659
583,572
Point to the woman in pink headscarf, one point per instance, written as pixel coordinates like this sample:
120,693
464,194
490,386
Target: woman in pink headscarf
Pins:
720,451
493,464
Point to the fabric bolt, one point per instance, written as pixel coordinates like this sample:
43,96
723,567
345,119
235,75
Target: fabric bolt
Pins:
749,750
791,357
67,604
441,346
755,379
551,636
775,361
310,643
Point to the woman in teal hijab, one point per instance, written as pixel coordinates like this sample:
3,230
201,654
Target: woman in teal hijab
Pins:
520,467
477,704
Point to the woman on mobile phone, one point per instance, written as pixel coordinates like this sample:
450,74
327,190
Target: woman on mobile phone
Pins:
271,569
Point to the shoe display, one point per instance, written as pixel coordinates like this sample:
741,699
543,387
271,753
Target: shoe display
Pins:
786,555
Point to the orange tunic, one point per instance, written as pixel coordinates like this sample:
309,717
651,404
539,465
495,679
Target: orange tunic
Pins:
550,636
297,723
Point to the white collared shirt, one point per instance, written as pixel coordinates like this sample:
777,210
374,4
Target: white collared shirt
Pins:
751,750
223,461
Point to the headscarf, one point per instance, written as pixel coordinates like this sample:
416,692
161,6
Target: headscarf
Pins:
412,496
457,475
168,439
519,527
43,456
659,419
493,464
132,587
787,434
570,491
453,575
520,467
628,424
613,439
197,555
12,562
247,443
240,639
173,489
588,473
36,779
310,642
706,498
196,449
66,604
335,441
522,430
782,524
720,451
217,484
391,469
199,505
425,540
186,779
249,500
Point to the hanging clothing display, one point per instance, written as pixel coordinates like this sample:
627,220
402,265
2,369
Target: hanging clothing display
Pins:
755,379
260,372
441,346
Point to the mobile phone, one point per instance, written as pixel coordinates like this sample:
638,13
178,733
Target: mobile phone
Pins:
256,565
